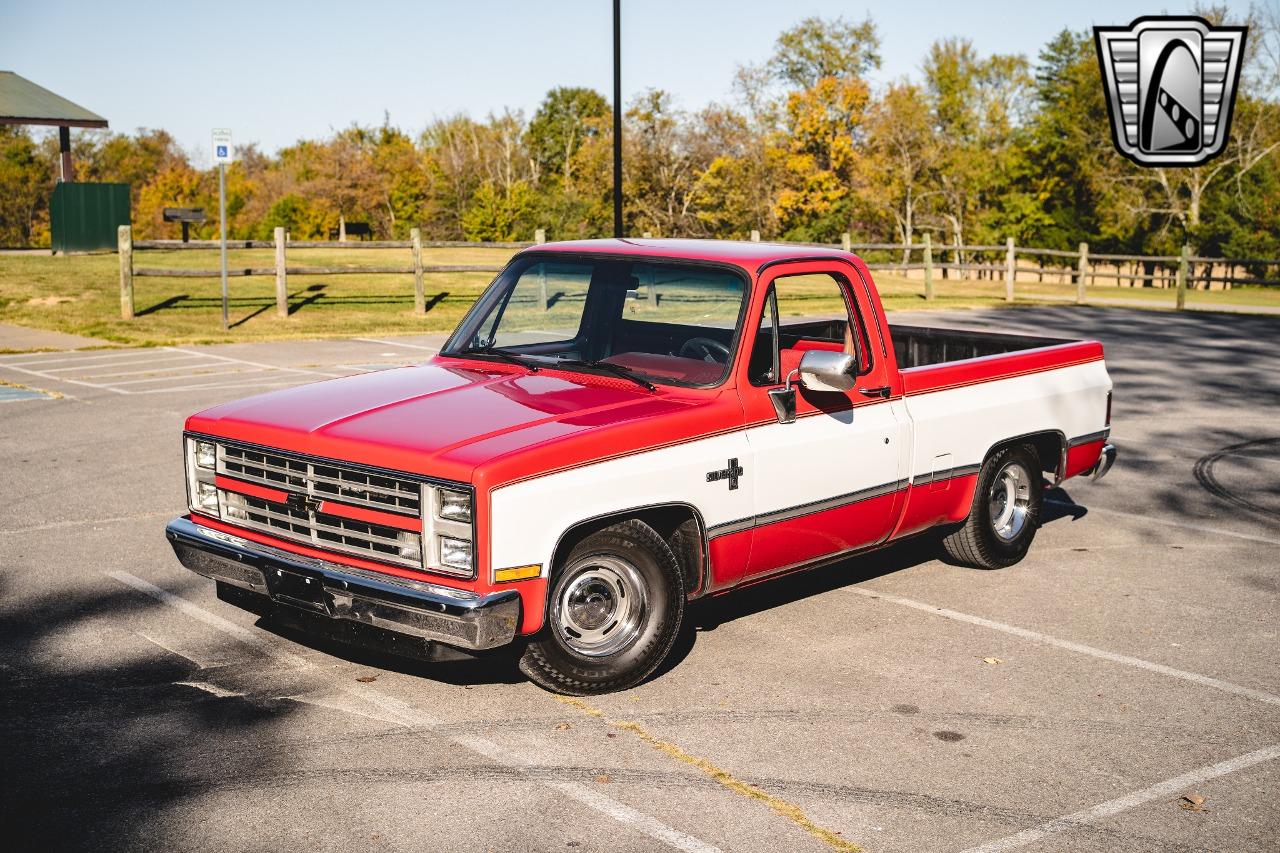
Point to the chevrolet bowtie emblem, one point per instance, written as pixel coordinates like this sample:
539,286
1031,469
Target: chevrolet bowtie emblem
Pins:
732,473
1171,86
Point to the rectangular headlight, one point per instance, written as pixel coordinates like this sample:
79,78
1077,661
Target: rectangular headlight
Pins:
454,506
207,497
206,455
455,553
202,492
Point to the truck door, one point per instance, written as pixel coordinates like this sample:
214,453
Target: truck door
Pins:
833,480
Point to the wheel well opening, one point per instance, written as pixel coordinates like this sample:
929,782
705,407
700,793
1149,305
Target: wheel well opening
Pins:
1049,447
679,525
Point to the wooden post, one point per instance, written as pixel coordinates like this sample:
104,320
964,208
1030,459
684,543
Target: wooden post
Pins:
928,267
540,237
1010,260
282,284
1082,271
1181,303
419,293
125,243
68,174
846,241
342,228
755,236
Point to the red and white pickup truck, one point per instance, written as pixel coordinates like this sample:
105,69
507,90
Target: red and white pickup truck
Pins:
618,427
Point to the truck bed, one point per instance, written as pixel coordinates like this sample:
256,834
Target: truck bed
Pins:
922,346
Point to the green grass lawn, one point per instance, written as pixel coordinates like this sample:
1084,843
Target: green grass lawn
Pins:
81,295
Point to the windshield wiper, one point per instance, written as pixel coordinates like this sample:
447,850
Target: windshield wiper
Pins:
619,370
502,354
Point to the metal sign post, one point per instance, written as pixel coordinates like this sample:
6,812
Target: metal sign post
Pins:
222,155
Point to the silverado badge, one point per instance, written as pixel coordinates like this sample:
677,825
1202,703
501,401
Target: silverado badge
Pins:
732,473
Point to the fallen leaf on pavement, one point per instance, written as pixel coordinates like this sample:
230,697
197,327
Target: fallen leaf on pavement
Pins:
1192,803
561,726
992,660
611,734
365,679
604,778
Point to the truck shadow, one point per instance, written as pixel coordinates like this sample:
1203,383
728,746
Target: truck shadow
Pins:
111,747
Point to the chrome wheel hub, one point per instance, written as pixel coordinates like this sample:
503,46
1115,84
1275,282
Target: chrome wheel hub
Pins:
601,607
1009,501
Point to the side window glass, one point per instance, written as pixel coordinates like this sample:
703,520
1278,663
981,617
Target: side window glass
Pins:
812,312
763,367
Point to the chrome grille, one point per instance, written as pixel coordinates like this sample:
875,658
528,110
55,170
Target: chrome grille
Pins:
321,479
321,482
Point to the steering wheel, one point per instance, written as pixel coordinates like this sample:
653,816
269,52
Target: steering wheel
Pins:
706,349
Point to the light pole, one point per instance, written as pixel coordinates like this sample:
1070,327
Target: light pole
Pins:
617,118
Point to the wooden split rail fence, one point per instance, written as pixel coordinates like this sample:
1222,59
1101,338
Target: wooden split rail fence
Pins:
1165,270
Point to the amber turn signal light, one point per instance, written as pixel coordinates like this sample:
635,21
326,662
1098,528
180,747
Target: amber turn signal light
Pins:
517,573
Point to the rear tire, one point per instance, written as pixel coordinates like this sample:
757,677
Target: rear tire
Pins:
613,613
1005,514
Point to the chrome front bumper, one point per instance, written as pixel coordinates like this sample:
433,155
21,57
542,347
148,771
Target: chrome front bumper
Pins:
427,611
1104,463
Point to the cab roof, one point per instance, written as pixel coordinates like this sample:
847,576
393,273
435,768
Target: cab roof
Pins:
748,255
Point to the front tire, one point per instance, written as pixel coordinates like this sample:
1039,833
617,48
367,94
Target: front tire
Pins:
613,613
1005,514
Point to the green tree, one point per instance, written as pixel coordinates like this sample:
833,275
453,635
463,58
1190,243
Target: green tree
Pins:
816,48
26,179
564,121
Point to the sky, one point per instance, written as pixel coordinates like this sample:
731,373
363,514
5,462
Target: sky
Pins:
276,72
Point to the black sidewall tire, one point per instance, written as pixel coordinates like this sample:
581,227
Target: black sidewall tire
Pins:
1002,552
553,665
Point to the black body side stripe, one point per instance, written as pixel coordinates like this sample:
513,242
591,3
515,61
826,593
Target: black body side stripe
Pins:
945,474
1090,438
799,510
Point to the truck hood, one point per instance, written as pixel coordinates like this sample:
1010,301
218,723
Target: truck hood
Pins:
439,419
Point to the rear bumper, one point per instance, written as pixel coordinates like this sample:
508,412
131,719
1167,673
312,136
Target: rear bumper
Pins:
1106,459
424,611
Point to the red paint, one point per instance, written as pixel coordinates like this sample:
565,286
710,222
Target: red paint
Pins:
927,506
729,555
251,489
490,424
371,516
800,540
941,377
1082,457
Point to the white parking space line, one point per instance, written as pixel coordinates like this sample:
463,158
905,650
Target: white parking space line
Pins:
62,379
193,375
213,620
267,382
259,364
149,357
1198,528
510,757
396,344
185,368
1035,636
1114,807
411,717
59,358
189,362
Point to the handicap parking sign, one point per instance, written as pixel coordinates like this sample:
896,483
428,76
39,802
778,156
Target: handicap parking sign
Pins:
222,150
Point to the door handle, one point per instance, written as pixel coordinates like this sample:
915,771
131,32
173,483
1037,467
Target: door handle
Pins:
883,392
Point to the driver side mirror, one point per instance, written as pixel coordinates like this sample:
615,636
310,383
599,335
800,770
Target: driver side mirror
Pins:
821,370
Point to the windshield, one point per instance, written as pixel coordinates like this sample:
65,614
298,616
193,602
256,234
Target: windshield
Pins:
657,322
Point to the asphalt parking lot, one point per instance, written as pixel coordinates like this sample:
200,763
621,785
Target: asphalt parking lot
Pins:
1117,690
